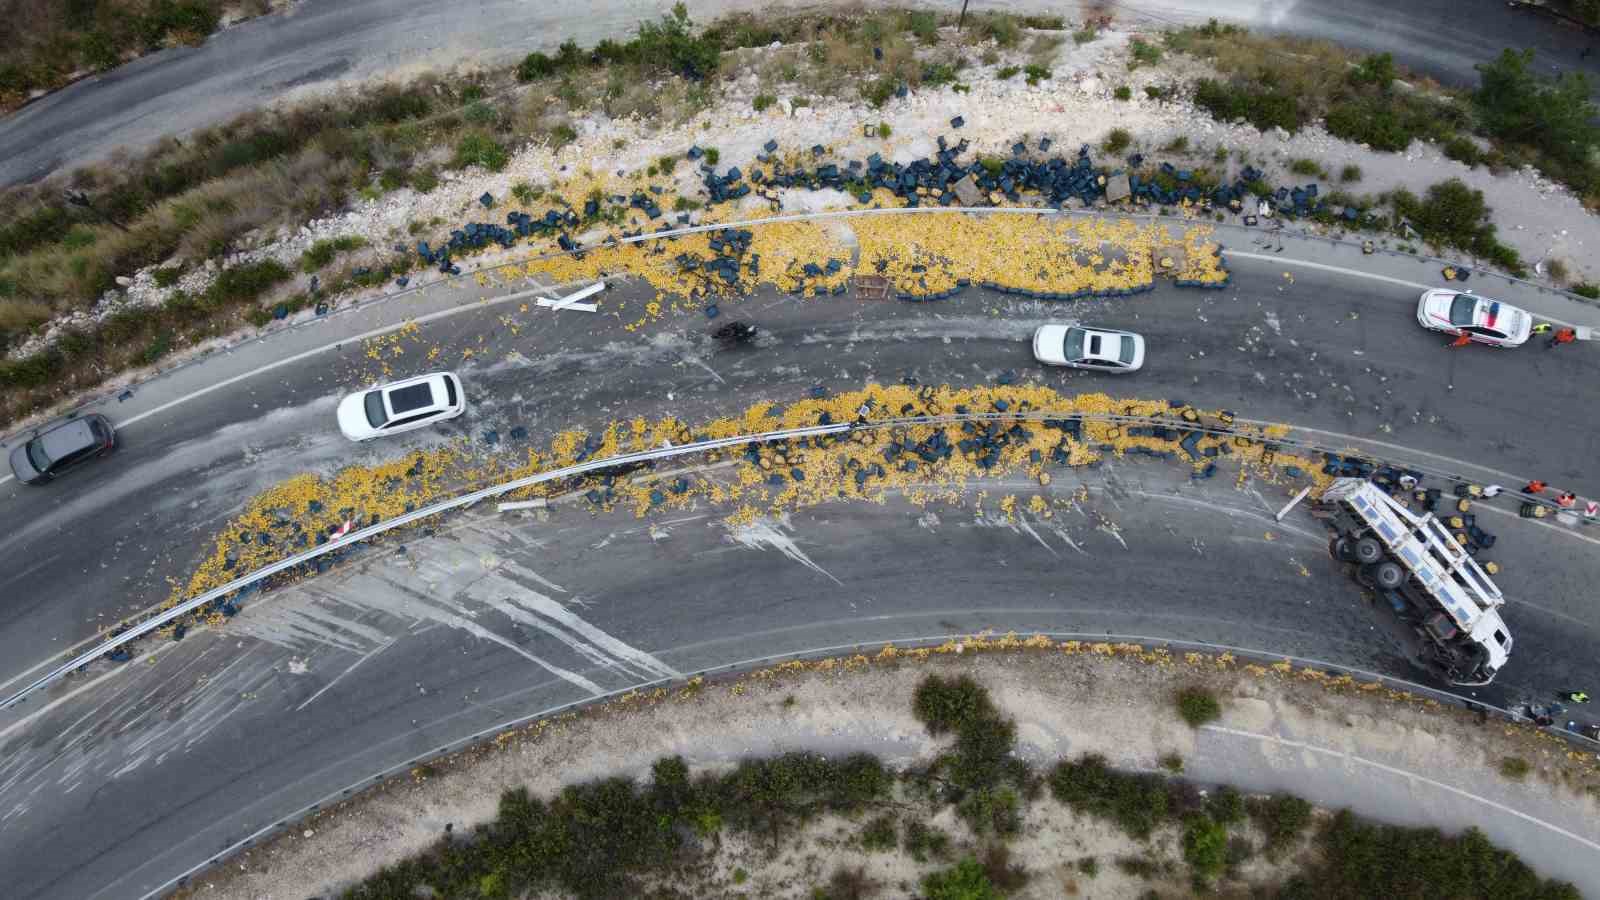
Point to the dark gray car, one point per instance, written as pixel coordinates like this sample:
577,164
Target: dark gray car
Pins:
62,446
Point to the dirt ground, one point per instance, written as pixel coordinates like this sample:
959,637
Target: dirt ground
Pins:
1067,700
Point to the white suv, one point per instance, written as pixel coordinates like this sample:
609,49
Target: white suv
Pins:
401,406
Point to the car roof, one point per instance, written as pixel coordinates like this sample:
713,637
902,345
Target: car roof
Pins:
1110,341
67,438
409,398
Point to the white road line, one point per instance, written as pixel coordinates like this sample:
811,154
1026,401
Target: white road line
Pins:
1357,273
376,332
1340,754
324,689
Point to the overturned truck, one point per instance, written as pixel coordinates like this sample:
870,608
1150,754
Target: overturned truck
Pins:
1446,608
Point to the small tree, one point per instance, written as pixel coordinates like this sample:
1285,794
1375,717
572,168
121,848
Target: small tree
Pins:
1198,706
965,880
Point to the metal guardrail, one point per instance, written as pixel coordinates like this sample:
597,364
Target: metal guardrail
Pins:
1242,653
355,537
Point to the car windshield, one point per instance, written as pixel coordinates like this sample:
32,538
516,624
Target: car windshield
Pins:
1462,308
374,404
37,458
1127,350
1074,343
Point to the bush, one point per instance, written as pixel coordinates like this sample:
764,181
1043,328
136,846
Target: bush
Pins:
1034,73
1198,706
1307,167
936,74
1004,30
1376,70
884,130
763,102
535,66
322,252
561,135
480,113
1089,866
945,705
1144,53
1263,107
1281,818
1154,92
1519,107
1172,762
1514,767
1462,150
424,180
1205,846
1117,141
157,348
1178,144
244,283
1454,215
924,25
479,148
168,276
1585,289
881,834
1350,172
925,842
1373,122
712,156
1123,92
1226,805
1005,72
1136,803
670,44
966,880
1085,35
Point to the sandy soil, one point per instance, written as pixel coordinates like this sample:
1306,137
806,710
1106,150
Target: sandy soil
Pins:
1066,704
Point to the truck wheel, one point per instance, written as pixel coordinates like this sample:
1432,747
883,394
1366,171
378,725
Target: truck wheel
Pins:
1364,577
1368,551
1339,548
1388,575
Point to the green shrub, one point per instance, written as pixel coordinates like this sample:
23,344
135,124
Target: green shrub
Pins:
1034,73
1084,35
561,135
168,276
945,705
923,24
480,113
884,130
1179,144
1462,150
1172,762
991,811
424,180
1454,215
1375,122
1585,289
670,44
1205,846
1089,866
479,148
535,66
764,102
322,252
877,91
157,348
37,227
1123,92
1117,141
1136,803
1307,167
1154,92
1514,767
1281,818
881,834
1521,108
1350,172
1144,53
1376,70
1139,867
32,371
966,880
1263,107
1226,805
244,283
925,842
1198,706
684,204
1004,30
936,74
712,156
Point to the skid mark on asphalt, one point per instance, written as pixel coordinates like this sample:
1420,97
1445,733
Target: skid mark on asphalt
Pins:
763,533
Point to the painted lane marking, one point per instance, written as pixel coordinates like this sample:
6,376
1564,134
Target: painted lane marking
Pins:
1412,776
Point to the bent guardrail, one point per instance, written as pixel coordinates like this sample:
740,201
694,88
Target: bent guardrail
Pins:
645,456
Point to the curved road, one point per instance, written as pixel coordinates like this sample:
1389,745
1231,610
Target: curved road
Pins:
111,788
323,42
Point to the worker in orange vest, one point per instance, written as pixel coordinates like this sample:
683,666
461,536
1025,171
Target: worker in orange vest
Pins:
1562,336
1534,487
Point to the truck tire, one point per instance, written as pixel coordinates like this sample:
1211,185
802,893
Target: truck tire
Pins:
1368,551
1340,549
1388,575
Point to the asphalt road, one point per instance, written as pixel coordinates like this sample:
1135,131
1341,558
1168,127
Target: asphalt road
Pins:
1345,357
327,41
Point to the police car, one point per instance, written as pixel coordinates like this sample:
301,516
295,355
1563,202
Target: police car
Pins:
1480,319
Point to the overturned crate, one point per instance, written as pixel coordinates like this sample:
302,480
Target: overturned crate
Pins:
871,287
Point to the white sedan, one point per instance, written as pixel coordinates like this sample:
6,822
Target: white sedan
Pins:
1080,347
401,406
1482,320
